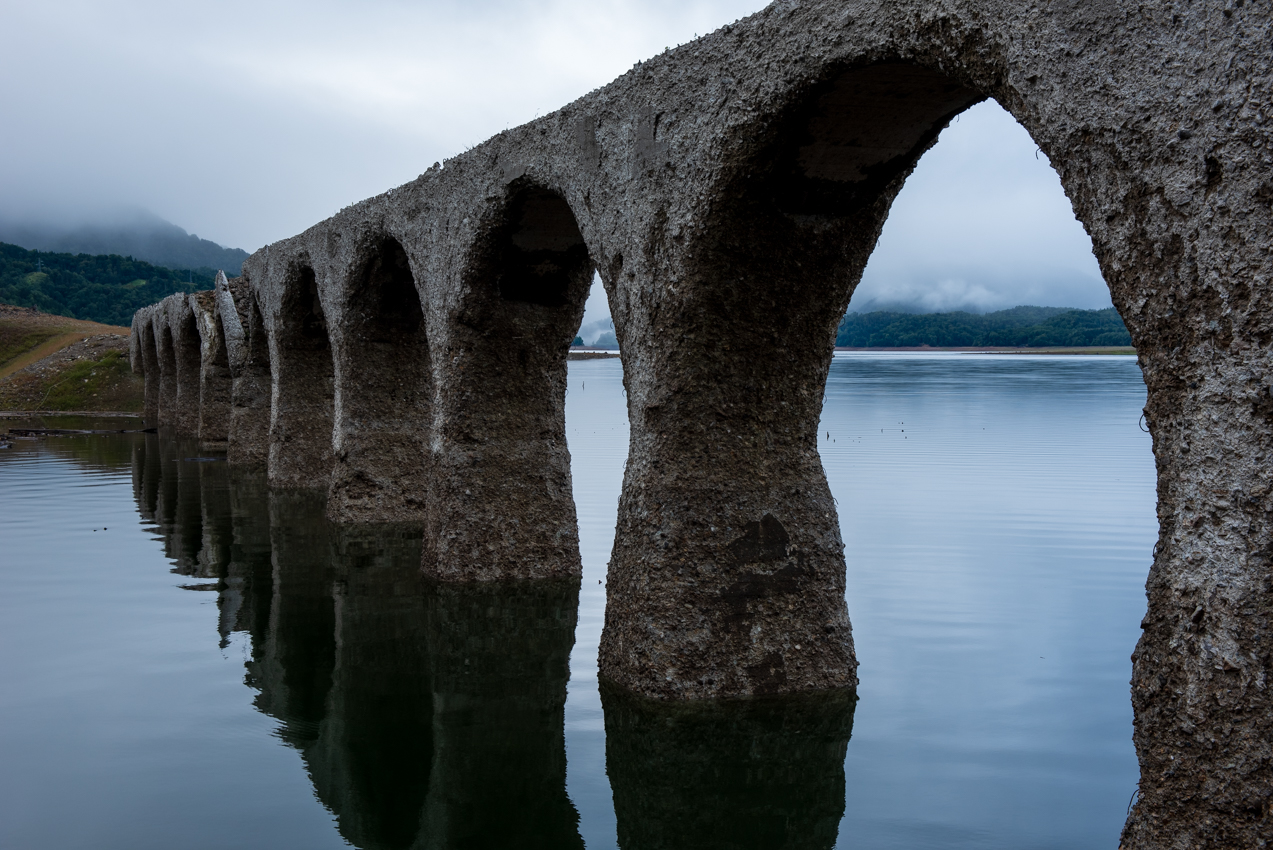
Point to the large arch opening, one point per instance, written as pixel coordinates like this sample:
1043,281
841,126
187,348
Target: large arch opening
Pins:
303,387
386,393
500,466
251,388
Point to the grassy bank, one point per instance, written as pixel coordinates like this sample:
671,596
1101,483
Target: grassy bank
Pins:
55,363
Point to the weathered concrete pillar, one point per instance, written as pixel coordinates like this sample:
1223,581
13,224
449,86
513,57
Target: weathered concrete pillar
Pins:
384,393
187,355
500,655
301,414
166,408
250,366
148,354
500,502
1194,287
214,367
755,773
728,571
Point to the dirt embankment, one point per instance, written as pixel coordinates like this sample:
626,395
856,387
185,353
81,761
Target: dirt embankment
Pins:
58,364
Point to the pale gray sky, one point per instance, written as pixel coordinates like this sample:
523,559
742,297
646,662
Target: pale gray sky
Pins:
245,122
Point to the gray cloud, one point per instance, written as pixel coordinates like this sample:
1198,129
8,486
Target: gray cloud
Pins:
245,122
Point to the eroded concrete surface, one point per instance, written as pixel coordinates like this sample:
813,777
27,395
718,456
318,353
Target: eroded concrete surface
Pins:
729,193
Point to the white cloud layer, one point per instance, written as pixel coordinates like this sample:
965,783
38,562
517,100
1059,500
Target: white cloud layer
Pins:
982,224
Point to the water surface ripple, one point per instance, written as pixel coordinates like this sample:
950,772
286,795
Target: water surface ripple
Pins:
193,661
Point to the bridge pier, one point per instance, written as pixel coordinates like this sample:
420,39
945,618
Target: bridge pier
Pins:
186,358
300,452
214,369
383,393
250,386
167,361
727,576
500,501
148,354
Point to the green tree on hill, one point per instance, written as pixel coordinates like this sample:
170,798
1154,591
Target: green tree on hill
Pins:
1020,326
103,288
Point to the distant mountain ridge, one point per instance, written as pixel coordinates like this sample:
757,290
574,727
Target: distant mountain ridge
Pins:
137,234
1017,327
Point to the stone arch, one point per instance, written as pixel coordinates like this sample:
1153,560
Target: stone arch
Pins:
166,356
215,379
149,353
726,475
251,386
385,392
500,501
303,377
188,353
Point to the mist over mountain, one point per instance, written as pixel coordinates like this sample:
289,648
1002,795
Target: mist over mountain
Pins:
138,234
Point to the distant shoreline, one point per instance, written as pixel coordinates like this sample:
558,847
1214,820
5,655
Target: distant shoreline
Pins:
595,354
990,349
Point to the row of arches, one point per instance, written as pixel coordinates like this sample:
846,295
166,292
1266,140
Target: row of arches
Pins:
729,194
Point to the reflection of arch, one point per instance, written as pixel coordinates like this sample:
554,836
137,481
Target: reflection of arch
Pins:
251,388
385,389
501,469
301,415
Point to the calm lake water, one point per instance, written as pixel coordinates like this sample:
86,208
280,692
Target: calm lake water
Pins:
190,661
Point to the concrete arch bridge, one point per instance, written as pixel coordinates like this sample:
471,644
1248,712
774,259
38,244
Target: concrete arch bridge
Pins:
409,353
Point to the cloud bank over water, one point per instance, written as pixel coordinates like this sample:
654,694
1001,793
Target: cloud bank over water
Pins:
983,224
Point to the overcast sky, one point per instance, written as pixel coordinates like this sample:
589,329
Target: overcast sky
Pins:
246,122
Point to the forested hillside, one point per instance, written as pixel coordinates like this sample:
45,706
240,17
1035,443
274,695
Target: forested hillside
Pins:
1020,326
103,288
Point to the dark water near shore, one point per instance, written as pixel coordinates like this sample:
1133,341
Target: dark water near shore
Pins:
191,661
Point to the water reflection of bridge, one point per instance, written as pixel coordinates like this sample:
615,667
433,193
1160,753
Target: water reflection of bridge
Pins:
432,715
